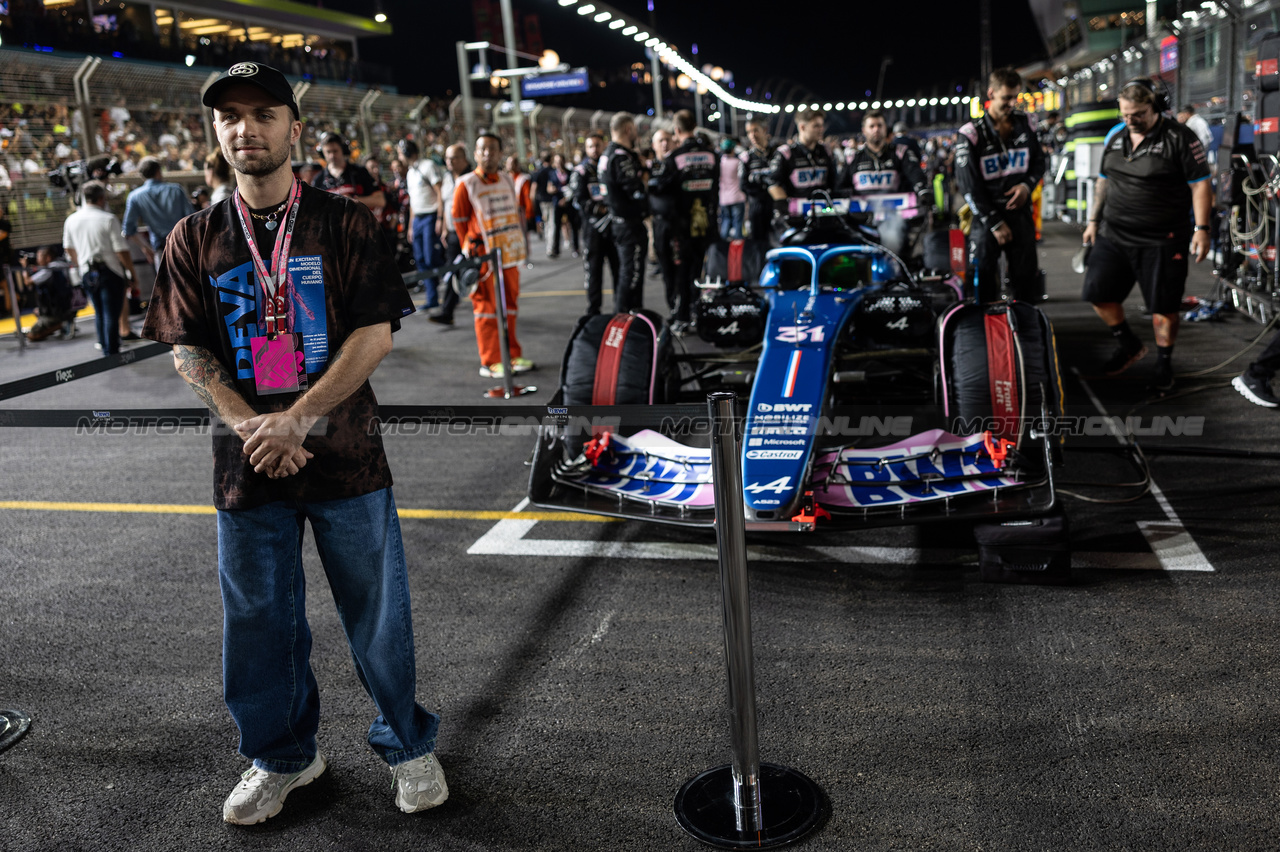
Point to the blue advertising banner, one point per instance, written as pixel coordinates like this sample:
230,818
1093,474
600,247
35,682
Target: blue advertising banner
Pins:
543,85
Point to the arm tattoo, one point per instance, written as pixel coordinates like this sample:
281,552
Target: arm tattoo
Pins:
1099,198
201,370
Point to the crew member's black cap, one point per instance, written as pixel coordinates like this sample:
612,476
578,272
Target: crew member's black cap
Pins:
264,77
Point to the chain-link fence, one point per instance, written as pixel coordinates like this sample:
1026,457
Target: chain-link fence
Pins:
58,109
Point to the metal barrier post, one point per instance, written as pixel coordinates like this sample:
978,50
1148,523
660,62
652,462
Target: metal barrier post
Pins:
13,724
16,309
509,387
746,804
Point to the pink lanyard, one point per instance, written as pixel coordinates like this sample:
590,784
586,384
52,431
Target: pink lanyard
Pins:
275,281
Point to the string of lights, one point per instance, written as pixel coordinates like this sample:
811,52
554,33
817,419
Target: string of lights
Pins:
616,21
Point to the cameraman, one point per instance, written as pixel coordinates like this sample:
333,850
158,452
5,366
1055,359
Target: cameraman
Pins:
95,241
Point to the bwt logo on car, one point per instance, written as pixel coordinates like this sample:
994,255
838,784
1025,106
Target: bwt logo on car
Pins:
797,407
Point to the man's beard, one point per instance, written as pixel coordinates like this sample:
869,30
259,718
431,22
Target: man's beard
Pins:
257,168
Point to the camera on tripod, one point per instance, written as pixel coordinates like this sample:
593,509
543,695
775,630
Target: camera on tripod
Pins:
71,176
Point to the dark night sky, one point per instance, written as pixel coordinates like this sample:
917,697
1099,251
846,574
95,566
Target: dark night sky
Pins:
834,48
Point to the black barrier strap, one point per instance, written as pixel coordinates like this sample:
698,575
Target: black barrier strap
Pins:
21,387
79,371
471,415
435,272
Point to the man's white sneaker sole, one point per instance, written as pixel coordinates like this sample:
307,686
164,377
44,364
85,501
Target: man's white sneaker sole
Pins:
269,809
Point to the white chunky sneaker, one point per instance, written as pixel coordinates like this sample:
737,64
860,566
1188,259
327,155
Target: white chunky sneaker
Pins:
419,784
260,794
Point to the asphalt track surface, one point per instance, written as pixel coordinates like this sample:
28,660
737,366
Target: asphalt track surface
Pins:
578,664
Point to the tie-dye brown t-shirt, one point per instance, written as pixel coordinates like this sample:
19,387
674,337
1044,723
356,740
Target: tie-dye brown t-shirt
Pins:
342,278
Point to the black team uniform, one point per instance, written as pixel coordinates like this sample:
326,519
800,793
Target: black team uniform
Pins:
587,196
622,177
755,185
691,178
987,167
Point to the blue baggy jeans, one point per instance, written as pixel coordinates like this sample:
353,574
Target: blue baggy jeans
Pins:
266,643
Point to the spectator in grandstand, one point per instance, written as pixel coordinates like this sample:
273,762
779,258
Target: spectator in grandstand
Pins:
1152,171
485,217
755,181
998,165
217,174
273,471
343,177
423,180
1196,123
456,165
93,238
733,201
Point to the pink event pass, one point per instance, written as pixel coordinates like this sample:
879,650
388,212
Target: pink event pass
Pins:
279,364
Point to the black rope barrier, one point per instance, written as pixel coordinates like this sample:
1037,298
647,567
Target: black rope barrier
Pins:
474,416
61,376
21,387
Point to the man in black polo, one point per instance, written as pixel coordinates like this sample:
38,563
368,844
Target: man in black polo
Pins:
1153,170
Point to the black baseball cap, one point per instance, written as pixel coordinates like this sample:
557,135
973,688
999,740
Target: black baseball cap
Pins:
269,79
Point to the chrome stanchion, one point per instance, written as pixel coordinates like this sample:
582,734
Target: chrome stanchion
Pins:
17,311
509,387
746,804
13,724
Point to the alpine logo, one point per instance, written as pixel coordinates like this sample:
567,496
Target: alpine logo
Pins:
798,407
778,486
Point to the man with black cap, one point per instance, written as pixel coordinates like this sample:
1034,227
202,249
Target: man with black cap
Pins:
279,305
